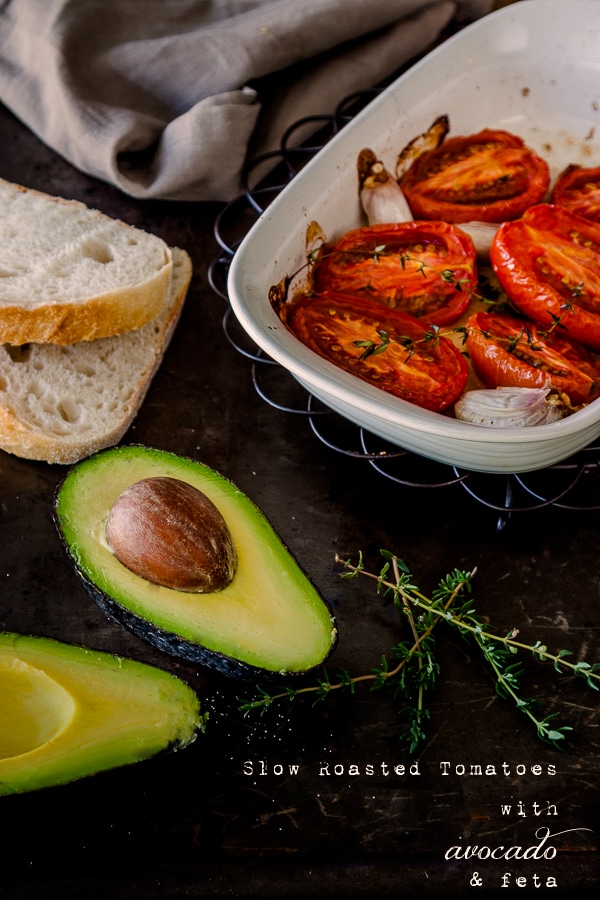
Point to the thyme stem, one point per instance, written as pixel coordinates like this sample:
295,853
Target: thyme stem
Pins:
416,668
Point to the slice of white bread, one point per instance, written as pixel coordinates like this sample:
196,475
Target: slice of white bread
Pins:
61,403
69,273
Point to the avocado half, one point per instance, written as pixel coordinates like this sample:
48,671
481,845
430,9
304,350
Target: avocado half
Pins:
67,712
268,620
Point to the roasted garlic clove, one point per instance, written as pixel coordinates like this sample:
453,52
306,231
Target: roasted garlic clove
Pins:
511,407
381,196
482,235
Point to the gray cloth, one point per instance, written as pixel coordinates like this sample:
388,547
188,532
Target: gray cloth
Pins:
165,98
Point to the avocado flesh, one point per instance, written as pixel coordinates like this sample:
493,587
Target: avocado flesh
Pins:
269,618
67,712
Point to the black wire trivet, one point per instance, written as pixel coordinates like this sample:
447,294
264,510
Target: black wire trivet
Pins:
573,484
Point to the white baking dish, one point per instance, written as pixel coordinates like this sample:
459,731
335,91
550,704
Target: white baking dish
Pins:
532,68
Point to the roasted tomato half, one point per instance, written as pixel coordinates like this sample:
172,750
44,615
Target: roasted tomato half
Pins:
491,176
386,347
506,351
577,189
548,262
427,269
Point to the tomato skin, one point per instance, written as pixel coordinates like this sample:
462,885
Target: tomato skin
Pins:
577,189
430,374
409,273
534,362
548,262
491,176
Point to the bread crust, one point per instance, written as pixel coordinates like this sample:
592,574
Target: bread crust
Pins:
55,285
102,316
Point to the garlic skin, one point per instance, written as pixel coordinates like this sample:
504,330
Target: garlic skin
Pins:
381,196
385,204
511,407
423,143
482,234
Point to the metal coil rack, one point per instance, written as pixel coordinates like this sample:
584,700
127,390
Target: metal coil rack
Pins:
573,484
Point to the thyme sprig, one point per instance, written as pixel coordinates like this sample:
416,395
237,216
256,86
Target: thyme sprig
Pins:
412,669
513,344
486,294
431,337
447,276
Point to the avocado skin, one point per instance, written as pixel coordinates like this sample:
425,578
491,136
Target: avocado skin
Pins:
169,641
86,711
172,644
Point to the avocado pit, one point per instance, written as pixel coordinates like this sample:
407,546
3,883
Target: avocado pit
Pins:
171,534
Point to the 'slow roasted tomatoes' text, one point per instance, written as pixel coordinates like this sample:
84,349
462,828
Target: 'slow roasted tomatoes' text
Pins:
507,351
491,176
426,269
385,347
548,262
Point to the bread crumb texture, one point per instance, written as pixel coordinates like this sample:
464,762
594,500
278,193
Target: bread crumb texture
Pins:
70,273
59,403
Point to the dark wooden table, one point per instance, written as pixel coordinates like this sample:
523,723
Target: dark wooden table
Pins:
227,816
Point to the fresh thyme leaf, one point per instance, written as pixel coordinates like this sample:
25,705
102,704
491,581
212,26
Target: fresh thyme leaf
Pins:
415,669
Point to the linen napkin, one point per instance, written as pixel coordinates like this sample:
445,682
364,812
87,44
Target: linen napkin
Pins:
166,98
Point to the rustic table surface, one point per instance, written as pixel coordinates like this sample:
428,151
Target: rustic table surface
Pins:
306,799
